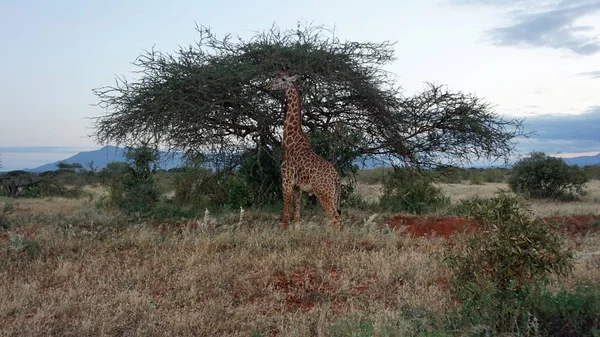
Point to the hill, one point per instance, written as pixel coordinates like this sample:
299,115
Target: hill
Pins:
108,154
103,157
584,160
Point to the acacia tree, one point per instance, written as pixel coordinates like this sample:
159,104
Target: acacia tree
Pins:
210,96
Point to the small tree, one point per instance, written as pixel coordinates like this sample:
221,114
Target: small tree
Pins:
542,176
512,254
410,190
131,185
73,167
21,183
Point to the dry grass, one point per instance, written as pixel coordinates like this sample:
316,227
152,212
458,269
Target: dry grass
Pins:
65,271
159,279
590,203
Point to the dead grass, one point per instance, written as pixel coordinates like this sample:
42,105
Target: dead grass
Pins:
590,203
219,277
186,279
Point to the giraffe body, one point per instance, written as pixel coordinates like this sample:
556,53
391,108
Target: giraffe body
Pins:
302,169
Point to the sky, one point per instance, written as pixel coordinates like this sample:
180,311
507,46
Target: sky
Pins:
533,59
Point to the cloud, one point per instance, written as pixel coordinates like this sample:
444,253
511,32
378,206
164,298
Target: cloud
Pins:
563,133
545,24
591,74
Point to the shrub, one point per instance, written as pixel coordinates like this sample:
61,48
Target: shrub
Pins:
407,190
542,176
254,183
194,184
493,269
567,312
592,171
373,176
5,211
131,185
21,244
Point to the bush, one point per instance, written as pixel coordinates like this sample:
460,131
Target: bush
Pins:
592,171
373,176
494,268
131,185
542,176
5,211
573,312
407,190
257,182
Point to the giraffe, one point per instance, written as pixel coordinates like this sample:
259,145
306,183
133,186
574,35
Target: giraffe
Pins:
302,169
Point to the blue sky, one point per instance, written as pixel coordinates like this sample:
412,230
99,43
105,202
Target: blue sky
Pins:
536,59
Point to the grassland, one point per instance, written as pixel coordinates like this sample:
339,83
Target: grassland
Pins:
69,268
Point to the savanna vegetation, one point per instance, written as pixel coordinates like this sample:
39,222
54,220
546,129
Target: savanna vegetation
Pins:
427,248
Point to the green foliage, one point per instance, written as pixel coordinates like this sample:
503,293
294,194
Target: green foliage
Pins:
592,171
535,311
69,167
258,179
21,244
373,176
567,312
211,95
447,175
339,147
5,211
131,185
492,268
25,184
257,182
513,249
542,176
407,190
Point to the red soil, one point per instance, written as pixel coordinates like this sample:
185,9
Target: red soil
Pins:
431,226
446,226
576,224
304,288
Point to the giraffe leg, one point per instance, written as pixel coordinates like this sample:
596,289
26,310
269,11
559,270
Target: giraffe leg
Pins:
287,196
329,204
297,196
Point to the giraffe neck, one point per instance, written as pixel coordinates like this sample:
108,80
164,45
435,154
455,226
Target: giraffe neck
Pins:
292,130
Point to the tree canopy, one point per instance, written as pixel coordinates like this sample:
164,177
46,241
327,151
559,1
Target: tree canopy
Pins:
210,96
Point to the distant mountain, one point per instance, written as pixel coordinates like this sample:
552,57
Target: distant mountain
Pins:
102,157
584,160
109,154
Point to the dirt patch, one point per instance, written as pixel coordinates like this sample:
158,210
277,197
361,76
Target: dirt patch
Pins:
576,224
431,226
302,289
447,226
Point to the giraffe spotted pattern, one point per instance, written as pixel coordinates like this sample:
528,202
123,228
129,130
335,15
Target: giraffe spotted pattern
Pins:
302,169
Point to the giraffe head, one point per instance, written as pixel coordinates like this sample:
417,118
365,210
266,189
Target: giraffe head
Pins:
282,81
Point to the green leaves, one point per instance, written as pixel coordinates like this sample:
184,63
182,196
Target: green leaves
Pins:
542,176
211,96
513,249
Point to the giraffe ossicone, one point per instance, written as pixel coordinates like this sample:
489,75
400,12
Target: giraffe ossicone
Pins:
302,169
